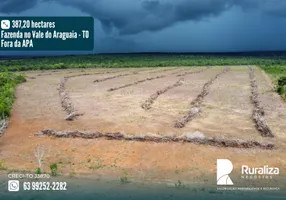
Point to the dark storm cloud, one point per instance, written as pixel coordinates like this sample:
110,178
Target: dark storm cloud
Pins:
271,7
276,8
111,45
16,6
135,16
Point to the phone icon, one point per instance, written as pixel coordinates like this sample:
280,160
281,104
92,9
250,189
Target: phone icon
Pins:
5,24
13,185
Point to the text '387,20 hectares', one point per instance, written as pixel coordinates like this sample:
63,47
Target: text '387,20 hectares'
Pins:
46,33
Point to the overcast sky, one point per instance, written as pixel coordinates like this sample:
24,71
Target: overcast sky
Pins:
170,25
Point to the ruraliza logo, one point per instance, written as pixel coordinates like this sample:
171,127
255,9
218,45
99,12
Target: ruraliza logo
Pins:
224,168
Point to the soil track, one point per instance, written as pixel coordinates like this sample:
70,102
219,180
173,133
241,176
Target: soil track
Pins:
66,100
258,111
199,71
164,70
113,77
84,74
147,104
3,126
197,103
159,139
120,75
135,83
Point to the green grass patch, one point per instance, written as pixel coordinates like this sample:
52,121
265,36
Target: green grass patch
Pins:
38,170
281,86
136,60
2,166
275,71
54,169
278,75
8,82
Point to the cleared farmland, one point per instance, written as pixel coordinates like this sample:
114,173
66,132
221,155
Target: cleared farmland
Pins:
138,108
116,101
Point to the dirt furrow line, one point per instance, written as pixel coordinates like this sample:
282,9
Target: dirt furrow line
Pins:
135,83
147,104
113,77
92,73
164,70
120,75
65,98
182,70
53,72
199,71
66,101
128,74
258,111
197,103
219,142
3,126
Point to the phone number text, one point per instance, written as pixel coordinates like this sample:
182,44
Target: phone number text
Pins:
45,186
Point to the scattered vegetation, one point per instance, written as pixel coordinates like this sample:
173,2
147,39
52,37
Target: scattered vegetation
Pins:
8,82
275,71
38,170
54,169
72,173
137,60
179,185
281,87
2,166
97,164
95,167
278,75
124,178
